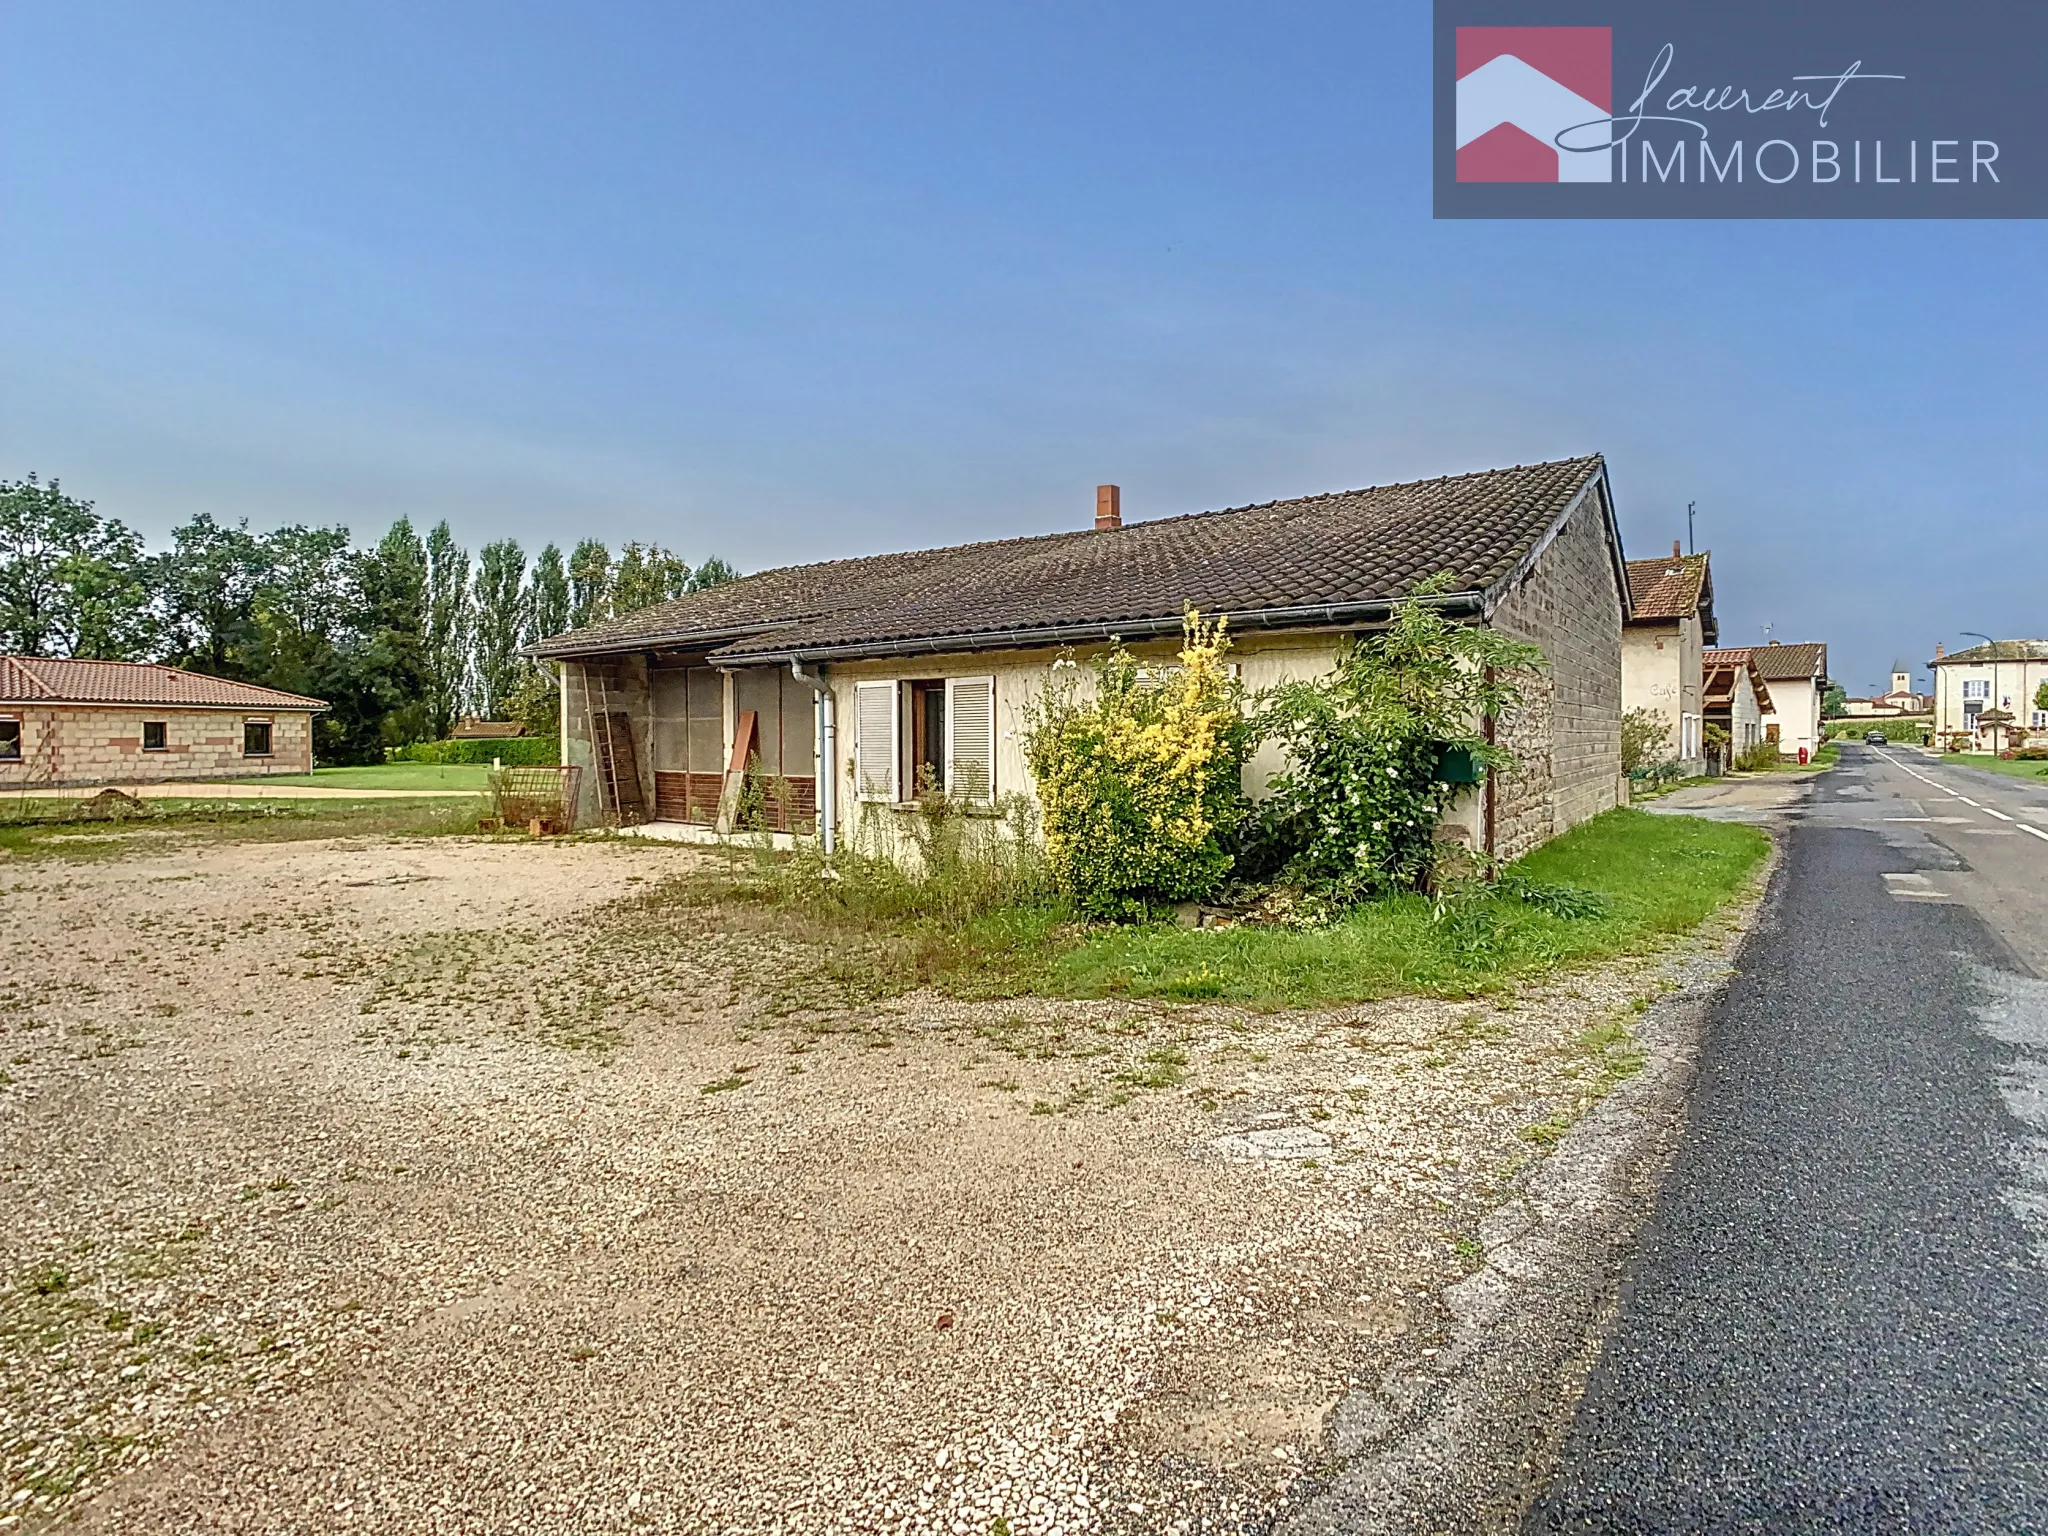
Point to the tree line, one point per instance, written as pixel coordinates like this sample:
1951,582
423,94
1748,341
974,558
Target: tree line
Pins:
402,639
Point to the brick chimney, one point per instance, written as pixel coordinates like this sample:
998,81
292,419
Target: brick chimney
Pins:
1109,507
1676,552
1937,650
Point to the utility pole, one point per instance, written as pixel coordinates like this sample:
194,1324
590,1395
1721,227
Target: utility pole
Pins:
1691,546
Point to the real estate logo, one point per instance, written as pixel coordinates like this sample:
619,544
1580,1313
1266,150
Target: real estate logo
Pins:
1521,93
1671,109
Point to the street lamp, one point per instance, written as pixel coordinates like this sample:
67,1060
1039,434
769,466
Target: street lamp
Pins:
1997,699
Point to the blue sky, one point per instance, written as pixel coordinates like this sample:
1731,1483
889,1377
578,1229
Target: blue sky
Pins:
788,282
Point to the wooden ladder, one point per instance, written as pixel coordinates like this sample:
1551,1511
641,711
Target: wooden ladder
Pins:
611,744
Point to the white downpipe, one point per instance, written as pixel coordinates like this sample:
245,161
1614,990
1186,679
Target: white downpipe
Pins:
828,756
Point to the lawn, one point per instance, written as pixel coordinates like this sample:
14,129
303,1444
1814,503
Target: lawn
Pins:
30,828
2014,768
475,777
1620,883
1655,876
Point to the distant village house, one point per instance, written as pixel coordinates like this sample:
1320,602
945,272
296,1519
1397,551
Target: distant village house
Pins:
1671,622
1792,684
1987,693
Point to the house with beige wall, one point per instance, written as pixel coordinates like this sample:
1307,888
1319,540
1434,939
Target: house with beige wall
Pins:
1671,621
847,685
72,722
1794,681
1737,698
2004,677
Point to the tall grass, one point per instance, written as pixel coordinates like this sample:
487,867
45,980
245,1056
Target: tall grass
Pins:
977,917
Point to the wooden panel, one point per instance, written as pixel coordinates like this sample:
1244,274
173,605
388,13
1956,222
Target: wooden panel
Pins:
691,797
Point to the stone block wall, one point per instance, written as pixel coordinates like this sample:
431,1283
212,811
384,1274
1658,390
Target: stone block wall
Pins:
1569,734
71,744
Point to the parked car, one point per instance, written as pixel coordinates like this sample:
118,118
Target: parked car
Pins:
1876,739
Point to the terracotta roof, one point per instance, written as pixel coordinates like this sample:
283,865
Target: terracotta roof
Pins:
1998,650
51,680
1301,561
1668,588
1781,663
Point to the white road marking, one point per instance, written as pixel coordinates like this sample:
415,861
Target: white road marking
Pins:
1909,818
1954,795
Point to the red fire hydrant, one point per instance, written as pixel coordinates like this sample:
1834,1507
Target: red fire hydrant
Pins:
1802,757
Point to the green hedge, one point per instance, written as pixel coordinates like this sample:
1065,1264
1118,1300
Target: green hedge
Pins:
513,751
1908,730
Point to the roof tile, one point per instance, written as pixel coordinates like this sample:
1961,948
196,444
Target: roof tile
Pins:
1343,548
1779,663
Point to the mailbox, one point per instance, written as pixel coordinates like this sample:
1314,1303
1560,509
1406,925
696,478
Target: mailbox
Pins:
1457,765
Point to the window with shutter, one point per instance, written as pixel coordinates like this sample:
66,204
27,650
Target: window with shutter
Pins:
971,738
874,740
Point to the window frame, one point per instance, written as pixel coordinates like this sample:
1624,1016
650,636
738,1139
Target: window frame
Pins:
269,729
15,755
163,735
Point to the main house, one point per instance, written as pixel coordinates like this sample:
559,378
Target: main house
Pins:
833,692
1671,622
67,722
1793,683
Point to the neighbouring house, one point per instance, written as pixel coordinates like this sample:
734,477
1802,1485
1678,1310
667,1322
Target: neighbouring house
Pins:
897,670
1671,622
65,722
1987,692
485,730
1737,698
1793,680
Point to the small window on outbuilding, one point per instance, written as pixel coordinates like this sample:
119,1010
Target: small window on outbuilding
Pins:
156,736
255,738
10,741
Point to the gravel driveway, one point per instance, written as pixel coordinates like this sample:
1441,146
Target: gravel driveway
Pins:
447,1185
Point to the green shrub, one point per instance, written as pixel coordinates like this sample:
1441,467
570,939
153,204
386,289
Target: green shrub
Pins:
1645,740
1760,758
1140,785
512,751
1355,813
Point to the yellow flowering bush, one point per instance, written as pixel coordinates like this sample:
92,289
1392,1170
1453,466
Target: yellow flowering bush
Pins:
1139,783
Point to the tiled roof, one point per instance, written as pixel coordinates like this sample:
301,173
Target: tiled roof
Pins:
1345,550
1667,588
1998,650
51,680
1781,663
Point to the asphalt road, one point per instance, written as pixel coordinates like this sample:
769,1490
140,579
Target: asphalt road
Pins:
1837,1319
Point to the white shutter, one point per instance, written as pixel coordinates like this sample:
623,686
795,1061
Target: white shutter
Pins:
971,738
874,740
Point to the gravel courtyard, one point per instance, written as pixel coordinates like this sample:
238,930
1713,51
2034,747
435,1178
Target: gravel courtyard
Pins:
453,1185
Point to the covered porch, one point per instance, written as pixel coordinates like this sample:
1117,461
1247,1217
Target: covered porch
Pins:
665,738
